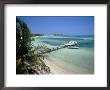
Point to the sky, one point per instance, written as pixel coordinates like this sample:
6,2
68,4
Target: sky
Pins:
68,25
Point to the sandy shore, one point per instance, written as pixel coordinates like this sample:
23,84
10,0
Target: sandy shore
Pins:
55,68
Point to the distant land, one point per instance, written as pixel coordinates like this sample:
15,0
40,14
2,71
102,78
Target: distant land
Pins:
45,34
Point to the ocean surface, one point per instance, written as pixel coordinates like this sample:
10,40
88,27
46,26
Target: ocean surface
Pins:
77,60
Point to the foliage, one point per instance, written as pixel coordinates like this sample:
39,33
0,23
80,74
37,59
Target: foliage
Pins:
32,35
27,61
23,43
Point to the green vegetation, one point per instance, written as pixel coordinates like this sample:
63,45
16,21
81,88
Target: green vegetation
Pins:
28,60
33,35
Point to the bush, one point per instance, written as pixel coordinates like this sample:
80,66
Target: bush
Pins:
27,62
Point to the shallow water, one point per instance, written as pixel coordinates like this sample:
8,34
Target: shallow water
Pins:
83,41
77,60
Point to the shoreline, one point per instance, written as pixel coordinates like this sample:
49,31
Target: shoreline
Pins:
55,68
60,68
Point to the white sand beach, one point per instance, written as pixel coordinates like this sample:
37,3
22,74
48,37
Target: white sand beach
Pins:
57,69
68,61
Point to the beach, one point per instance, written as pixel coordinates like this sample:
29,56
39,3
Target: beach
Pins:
55,68
69,61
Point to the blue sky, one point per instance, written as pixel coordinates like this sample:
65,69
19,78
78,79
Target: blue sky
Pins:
69,25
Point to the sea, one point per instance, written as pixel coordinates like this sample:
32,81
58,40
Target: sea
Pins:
80,61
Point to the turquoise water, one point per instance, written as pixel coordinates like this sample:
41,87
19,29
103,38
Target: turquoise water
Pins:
83,41
77,60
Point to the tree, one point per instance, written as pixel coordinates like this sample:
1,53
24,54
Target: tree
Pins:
26,59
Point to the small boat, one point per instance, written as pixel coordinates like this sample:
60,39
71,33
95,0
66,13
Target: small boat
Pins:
71,43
